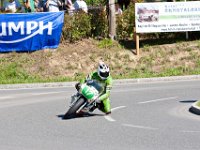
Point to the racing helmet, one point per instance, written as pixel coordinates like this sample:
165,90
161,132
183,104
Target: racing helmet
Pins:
103,70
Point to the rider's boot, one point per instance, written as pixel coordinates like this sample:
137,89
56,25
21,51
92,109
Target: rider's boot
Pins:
93,108
108,113
101,108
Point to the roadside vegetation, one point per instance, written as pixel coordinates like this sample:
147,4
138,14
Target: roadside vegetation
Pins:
85,41
72,61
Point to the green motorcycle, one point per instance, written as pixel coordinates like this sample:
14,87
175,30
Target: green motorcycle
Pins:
85,99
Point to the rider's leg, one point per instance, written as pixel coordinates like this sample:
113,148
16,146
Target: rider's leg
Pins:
105,106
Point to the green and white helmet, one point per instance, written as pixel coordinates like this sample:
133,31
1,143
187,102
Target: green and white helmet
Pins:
103,70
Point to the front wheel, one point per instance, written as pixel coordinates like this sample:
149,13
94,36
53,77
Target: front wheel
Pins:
72,110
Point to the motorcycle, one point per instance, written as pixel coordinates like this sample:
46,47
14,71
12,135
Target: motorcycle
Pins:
85,99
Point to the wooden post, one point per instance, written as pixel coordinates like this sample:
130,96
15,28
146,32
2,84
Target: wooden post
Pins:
186,34
112,19
137,42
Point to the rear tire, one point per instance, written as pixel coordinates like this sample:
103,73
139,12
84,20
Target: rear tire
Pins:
71,113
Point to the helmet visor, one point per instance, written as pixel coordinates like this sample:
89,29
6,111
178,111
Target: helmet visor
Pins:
104,74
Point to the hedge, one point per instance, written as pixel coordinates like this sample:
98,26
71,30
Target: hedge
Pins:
95,24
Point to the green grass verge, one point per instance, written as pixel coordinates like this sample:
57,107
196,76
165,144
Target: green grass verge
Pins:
198,103
12,73
13,66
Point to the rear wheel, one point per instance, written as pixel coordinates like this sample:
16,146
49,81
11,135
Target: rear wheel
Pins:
72,111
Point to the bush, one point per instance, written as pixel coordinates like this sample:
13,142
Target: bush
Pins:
95,23
126,23
76,27
99,23
95,2
82,25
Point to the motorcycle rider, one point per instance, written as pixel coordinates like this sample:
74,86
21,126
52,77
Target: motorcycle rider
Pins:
102,75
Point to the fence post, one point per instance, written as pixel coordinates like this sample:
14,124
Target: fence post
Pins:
112,19
137,42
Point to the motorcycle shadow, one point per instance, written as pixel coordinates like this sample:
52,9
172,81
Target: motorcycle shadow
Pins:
84,115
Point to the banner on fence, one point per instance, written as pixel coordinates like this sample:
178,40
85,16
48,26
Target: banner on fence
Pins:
30,31
167,17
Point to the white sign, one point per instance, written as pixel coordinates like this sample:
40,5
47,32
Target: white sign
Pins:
167,17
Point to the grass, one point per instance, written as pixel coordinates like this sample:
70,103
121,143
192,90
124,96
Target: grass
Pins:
105,43
12,73
198,103
154,61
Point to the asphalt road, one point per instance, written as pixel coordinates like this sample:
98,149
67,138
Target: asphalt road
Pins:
145,116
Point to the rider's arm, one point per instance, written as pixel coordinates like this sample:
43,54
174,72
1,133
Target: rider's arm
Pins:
89,76
82,81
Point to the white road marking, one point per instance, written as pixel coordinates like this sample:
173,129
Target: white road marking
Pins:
30,94
7,104
35,88
191,131
5,97
139,127
157,100
109,118
17,101
113,109
47,93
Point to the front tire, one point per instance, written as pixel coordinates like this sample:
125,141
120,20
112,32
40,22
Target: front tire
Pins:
72,110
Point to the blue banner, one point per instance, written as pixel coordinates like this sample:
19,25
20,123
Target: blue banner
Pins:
30,31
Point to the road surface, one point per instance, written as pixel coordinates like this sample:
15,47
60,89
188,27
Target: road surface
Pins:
145,116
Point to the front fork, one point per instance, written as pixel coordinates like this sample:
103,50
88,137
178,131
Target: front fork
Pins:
81,107
76,97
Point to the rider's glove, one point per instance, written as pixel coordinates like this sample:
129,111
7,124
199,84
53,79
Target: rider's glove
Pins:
78,86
